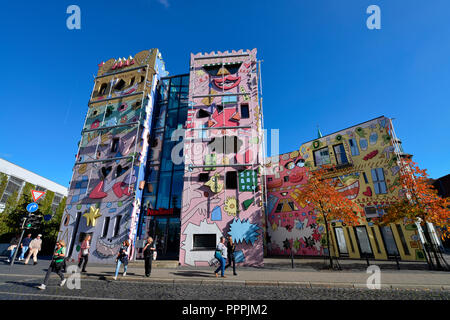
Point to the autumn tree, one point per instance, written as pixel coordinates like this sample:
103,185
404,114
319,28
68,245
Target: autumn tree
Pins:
419,202
320,193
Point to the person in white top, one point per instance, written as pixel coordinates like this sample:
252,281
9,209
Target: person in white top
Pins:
35,247
220,254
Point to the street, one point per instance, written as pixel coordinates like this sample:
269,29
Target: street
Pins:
23,287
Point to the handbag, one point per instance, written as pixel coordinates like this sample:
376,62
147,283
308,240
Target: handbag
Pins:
85,252
155,254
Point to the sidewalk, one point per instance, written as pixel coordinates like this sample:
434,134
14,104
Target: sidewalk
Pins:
308,273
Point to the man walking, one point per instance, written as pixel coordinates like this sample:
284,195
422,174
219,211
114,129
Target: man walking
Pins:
25,245
13,247
35,247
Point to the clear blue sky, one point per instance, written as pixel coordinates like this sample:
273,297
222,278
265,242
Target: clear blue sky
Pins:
321,66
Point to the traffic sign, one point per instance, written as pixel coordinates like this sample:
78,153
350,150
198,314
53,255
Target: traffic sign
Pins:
48,217
32,207
36,194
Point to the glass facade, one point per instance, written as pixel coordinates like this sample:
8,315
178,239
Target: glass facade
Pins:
161,201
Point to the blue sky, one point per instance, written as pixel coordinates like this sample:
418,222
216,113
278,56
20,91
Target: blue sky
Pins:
322,66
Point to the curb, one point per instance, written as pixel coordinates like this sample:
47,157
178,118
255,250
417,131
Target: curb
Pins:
258,283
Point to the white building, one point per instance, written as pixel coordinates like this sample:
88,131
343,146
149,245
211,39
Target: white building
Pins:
18,176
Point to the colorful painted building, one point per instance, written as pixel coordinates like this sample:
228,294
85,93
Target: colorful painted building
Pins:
223,156
180,158
106,187
366,161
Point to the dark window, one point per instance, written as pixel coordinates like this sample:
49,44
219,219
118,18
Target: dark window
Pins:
132,81
365,178
402,238
279,208
120,85
109,111
219,108
105,227
244,111
115,145
269,179
350,239
203,114
102,89
286,178
339,151
376,240
117,226
142,78
231,180
203,177
204,241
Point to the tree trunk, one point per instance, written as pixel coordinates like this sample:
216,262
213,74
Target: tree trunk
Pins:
328,242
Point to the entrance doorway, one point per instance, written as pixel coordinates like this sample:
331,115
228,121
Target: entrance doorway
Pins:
166,232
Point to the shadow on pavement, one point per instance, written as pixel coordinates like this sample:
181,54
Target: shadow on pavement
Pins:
193,273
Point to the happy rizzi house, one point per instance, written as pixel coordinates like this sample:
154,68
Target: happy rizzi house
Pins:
181,158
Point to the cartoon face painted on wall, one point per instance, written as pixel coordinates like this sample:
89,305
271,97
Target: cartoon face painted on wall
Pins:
287,218
225,200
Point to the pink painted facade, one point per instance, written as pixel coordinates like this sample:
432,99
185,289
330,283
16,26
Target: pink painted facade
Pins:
287,218
225,198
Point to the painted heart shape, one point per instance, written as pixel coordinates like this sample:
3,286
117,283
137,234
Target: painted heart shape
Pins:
368,192
97,193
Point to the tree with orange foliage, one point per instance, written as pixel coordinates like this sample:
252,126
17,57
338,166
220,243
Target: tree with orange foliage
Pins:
320,193
419,202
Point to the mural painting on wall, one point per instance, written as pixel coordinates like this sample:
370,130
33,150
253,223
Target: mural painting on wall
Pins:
219,200
102,193
287,218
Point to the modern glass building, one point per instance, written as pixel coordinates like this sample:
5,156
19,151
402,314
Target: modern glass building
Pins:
161,202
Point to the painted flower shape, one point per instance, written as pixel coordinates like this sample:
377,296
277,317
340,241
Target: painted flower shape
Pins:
231,206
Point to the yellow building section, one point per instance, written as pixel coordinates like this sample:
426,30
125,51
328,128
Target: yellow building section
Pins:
367,172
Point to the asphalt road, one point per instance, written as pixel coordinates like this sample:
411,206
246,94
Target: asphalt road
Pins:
23,288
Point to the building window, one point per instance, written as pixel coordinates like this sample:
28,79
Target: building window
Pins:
353,147
365,178
269,179
105,227
279,208
402,238
371,212
120,85
117,226
339,151
286,178
109,110
231,180
378,181
203,177
132,81
115,145
376,240
350,239
321,157
102,89
244,111
204,241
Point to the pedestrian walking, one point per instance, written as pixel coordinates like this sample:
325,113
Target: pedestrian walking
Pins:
24,246
220,254
231,248
35,247
122,258
149,249
13,246
84,253
56,265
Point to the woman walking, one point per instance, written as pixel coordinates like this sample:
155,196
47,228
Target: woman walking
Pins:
149,249
122,258
231,248
84,253
220,254
56,265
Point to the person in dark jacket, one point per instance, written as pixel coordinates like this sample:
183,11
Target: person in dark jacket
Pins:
13,247
24,246
122,258
231,248
56,265
149,249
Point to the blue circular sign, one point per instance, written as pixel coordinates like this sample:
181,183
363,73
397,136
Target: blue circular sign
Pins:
32,207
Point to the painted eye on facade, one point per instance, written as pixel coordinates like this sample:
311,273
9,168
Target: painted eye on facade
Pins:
290,165
300,163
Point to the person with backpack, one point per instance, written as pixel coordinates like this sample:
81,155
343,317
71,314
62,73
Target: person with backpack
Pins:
220,254
56,265
122,258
